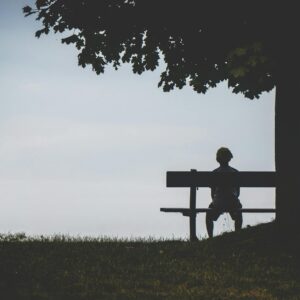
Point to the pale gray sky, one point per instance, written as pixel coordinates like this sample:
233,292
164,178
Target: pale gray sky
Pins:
87,154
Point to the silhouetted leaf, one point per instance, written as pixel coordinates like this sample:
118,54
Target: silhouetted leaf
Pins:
27,9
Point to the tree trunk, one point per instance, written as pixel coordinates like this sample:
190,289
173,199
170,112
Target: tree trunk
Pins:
287,150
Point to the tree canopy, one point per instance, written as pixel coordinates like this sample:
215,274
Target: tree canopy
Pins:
253,45
201,42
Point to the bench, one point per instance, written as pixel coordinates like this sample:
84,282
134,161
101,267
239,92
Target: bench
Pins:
195,179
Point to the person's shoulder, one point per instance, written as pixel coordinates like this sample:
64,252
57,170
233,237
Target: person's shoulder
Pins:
225,169
233,169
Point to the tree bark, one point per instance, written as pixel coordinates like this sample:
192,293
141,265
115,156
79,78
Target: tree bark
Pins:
287,150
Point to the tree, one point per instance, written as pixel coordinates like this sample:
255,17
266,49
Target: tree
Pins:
251,44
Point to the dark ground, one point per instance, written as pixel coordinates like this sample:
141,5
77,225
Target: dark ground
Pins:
256,263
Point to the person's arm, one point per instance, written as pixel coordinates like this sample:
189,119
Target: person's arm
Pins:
212,192
213,189
236,188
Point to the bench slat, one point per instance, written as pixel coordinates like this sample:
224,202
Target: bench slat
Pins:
207,179
201,210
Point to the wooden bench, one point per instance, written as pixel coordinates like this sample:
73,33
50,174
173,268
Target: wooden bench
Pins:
195,179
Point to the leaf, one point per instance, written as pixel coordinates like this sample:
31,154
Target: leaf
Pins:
240,51
41,31
70,39
238,72
41,3
27,9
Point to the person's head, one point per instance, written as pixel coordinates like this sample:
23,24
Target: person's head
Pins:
223,156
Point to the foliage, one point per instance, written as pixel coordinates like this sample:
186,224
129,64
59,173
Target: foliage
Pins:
202,42
256,263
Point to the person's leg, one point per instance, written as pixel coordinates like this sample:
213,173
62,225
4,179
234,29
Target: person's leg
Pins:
209,224
238,219
212,216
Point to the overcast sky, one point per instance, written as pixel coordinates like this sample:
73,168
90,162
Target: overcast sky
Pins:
83,154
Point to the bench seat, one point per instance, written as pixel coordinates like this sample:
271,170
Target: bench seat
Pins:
188,211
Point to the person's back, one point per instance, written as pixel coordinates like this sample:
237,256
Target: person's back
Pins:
224,198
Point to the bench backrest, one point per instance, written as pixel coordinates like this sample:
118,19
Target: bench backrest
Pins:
207,179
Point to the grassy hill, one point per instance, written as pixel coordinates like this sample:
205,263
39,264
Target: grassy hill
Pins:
256,263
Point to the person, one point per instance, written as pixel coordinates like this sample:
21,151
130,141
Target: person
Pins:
224,198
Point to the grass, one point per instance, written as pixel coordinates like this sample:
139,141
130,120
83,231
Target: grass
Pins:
256,263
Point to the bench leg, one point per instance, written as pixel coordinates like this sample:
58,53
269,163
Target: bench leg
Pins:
193,214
